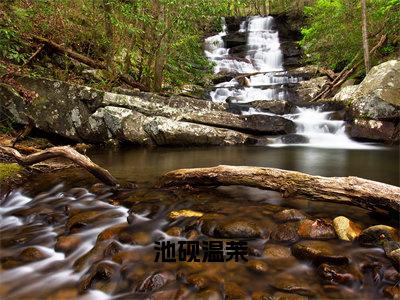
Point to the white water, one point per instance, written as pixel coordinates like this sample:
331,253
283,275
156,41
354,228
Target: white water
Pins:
265,58
29,278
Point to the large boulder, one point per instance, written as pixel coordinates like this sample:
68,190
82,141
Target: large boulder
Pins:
374,111
164,131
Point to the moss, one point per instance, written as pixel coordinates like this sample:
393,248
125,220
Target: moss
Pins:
8,170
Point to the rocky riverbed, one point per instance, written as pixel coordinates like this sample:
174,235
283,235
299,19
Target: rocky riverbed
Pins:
91,241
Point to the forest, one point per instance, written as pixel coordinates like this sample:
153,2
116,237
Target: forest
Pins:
202,149
161,48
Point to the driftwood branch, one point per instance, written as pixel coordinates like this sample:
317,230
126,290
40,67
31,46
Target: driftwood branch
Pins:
346,72
88,61
65,152
364,193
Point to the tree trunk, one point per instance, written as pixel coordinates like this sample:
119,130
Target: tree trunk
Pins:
65,152
348,190
365,35
109,31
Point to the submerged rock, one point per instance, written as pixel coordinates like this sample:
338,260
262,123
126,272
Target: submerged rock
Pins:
288,215
257,266
155,282
234,291
318,229
332,274
318,252
377,235
274,251
237,229
294,139
287,232
291,284
345,229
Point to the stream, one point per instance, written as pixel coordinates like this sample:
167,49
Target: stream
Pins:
64,236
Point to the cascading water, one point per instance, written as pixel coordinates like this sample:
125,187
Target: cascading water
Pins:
260,75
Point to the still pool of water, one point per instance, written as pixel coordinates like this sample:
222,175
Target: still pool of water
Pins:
381,164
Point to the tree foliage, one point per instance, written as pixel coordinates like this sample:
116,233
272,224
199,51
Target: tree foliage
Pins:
333,36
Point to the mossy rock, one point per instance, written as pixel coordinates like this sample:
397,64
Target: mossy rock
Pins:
8,170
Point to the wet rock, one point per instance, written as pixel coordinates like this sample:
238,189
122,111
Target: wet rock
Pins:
235,39
376,235
174,231
112,232
192,235
234,291
318,229
308,89
67,243
274,251
318,252
63,294
164,131
237,229
377,97
112,249
294,139
155,282
208,294
80,220
345,229
288,283
184,213
279,107
392,292
31,254
332,274
124,257
372,130
287,232
257,266
199,281
288,215
392,275
103,271
286,296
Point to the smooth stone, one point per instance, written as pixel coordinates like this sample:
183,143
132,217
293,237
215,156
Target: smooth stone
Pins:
288,215
376,235
287,232
346,229
80,220
274,251
337,274
257,266
291,284
112,232
31,254
293,138
318,252
174,231
286,296
155,282
393,292
184,213
234,291
318,229
237,229
199,281
67,243
102,271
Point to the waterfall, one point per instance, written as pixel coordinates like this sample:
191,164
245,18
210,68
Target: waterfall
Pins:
264,78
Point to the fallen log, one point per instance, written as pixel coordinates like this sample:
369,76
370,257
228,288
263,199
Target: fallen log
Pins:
88,61
65,152
364,193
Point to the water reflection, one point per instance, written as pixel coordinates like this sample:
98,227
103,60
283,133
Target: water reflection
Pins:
147,164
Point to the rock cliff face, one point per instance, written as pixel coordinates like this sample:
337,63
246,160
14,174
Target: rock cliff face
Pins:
84,114
374,111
